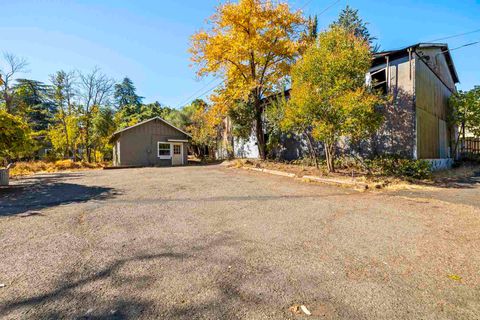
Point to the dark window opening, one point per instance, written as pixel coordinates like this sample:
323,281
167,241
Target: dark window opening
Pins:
379,80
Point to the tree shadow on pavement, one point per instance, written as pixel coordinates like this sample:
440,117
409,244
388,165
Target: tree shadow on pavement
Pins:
74,297
46,191
121,309
467,182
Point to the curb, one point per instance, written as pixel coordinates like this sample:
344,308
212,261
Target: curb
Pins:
360,185
341,183
274,172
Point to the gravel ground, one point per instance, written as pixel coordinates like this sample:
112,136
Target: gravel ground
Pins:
217,243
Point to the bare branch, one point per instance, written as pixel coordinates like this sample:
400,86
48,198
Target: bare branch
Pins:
96,88
13,66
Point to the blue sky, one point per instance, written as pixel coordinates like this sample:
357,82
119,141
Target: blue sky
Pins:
148,40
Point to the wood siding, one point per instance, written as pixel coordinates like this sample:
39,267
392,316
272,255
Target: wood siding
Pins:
138,145
397,133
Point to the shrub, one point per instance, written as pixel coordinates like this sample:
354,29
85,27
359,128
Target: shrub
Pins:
417,169
471,157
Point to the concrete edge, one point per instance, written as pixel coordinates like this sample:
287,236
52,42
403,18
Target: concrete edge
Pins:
274,172
356,185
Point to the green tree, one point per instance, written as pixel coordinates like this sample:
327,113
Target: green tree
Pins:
31,101
126,94
350,20
242,119
197,123
69,127
312,24
329,97
103,128
15,140
274,115
63,94
464,112
125,118
126,99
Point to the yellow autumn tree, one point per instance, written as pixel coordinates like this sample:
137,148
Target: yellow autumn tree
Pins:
252,45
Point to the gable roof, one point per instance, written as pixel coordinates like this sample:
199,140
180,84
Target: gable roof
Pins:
400,53
146,121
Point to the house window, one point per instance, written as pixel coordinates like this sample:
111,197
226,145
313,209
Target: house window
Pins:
379,80
176,149
164,150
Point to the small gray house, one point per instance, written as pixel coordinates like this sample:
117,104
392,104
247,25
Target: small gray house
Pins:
153,142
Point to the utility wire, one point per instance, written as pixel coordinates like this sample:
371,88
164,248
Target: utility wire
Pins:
460,47
196,92
455,35
205,92
328,8
466,45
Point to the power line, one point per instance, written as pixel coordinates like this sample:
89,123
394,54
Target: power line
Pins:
460,47
205,92
466,45
455,35
328,8
196,92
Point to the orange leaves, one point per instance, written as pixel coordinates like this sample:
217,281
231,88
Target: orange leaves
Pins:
251,43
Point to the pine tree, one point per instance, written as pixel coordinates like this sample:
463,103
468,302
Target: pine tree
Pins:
125,95
31,102
312,27
350,20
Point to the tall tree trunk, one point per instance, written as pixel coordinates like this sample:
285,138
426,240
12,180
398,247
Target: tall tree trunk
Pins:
231,148
455,148
330,156
259,130
8,102
313,153
67,147
87,141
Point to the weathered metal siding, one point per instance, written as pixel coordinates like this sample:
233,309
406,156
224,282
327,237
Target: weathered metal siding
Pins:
138,145
432,94
435,59
397,134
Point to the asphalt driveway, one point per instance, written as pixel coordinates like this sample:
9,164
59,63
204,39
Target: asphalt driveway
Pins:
217,243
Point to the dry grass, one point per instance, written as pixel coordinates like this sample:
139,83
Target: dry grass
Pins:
31,167
374,182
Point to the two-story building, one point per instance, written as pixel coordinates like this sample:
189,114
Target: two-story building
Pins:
420,79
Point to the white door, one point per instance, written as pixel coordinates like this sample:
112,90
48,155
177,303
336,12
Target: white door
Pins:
117,154
177,154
